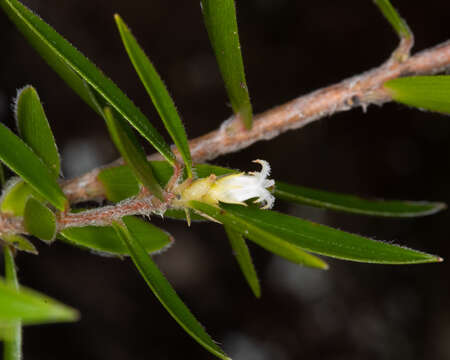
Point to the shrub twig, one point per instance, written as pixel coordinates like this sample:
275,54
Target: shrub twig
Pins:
358,91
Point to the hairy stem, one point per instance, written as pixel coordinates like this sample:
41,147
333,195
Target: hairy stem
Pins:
360,90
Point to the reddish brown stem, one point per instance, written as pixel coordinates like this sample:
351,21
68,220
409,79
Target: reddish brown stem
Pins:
360,90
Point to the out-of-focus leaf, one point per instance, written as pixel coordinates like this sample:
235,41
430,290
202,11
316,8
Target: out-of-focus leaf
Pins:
271,241
130,149
31,307
424,92
39,220
164,291
12,346
391,15
157,91
355,204
221,23
104,240
19,243
324,240
119,183
34,128
15,197
24,162
46,40
244,259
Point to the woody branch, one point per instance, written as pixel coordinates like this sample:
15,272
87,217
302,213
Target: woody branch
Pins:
360,90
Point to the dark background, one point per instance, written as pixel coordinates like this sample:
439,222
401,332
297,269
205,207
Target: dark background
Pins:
352,311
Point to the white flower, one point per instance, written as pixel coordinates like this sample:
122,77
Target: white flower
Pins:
233,189
237,188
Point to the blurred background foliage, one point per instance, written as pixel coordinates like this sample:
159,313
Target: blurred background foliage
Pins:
354,310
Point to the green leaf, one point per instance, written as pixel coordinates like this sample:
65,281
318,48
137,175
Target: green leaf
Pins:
132,152
271,241
39,220
157,91
12,347
34,129
46,40
104,240
15,197
244,259
119,183
181,215
31,307
70,77
354,204
327,241
10,268
164,291
19,243
221,24
24,162
424,92
391,15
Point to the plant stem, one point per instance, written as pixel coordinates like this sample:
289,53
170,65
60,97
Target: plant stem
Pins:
358,91
12,347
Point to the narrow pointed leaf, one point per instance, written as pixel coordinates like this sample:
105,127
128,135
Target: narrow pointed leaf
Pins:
157,91
34,128
10,268
164,291
24,162
46,51
132,152
244,259
327,241
12,346
355,204
37,32
424,92
20,243
39,220
391,15
31,307
336,201
104,240
221,24
270,241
